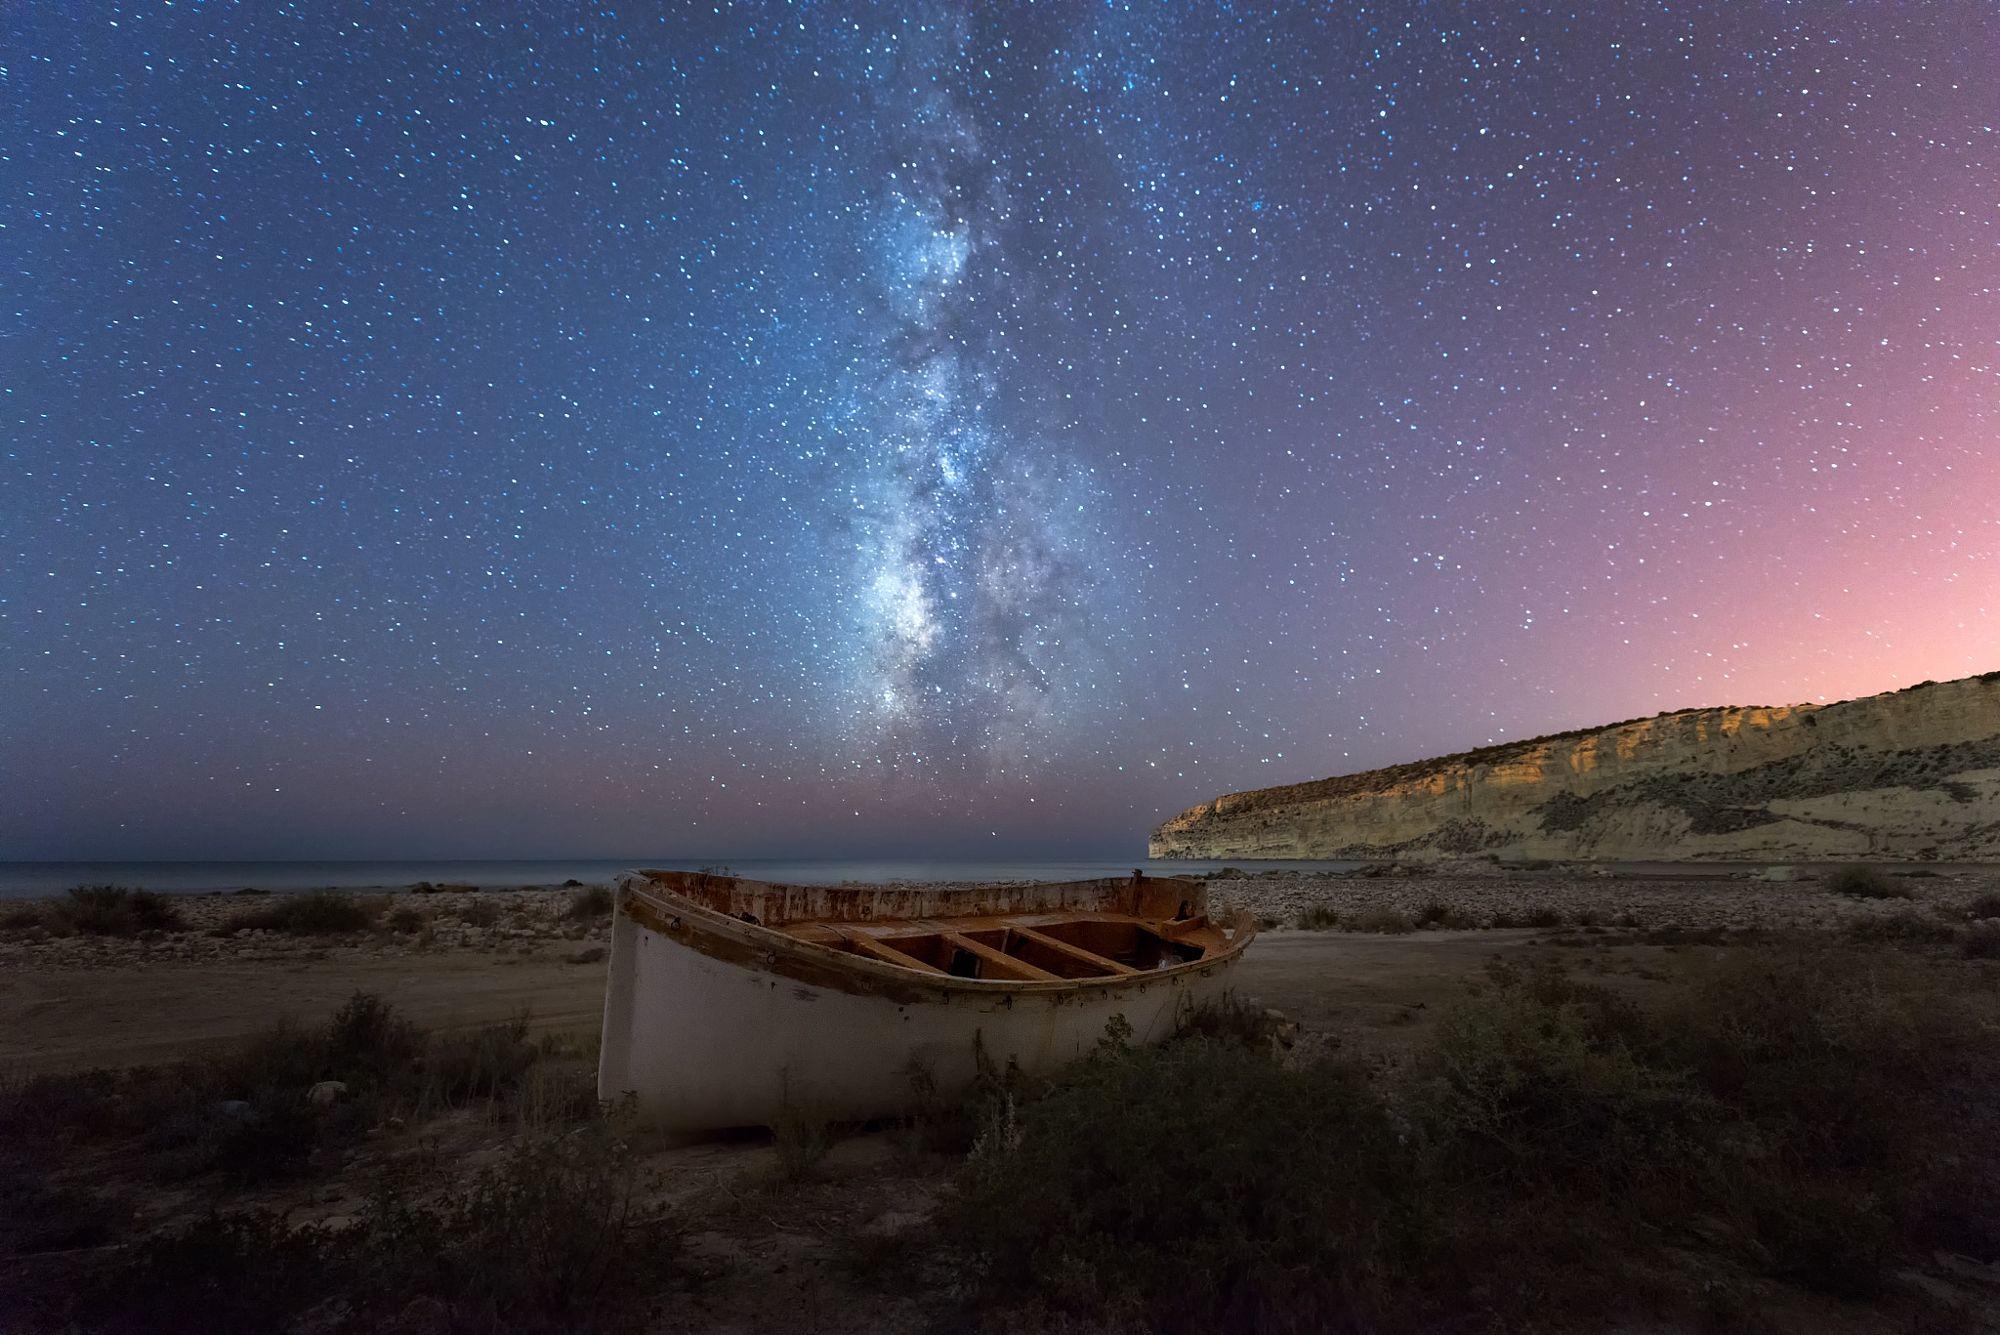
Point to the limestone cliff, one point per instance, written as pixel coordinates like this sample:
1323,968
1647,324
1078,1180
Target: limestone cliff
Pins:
1908,774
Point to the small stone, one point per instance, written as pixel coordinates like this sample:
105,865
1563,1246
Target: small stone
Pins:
326,1093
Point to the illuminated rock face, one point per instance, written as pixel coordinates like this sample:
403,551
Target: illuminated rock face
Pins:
1909,774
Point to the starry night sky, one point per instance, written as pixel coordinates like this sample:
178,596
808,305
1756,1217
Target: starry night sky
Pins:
511,430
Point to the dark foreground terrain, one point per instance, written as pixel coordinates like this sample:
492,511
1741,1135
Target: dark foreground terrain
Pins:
1572,1124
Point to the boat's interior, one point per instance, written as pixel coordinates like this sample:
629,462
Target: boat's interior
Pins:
1022,932
1028,947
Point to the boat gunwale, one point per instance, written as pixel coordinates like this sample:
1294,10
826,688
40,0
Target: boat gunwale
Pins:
764,949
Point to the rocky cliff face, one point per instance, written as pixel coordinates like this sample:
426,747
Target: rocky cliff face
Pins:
1909,774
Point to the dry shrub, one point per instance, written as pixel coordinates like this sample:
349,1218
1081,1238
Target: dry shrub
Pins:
1863,882
102,910
314,913
1820,1114
589,903
245,1115
1908,926
1318,918
1189,1187
802,1139
1382,919
408,920
479,912
550,1239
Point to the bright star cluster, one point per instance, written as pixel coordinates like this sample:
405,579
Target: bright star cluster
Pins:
839,429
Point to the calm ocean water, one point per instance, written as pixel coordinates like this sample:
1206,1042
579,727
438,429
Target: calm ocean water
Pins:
30,880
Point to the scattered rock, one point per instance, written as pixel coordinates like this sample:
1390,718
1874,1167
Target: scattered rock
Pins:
589,955
326,1093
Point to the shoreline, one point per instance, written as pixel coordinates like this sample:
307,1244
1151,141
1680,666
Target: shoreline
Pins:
18,894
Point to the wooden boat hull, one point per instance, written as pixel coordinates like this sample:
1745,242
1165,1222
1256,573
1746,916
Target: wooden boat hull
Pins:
712,1022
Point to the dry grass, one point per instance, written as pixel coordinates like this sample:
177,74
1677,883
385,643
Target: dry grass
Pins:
1862,882
1380,919
314,913
98,910
1812,1114
590,903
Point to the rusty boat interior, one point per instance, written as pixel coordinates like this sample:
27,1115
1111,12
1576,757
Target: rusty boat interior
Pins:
1073,931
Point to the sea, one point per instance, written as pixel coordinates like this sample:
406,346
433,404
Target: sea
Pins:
36,880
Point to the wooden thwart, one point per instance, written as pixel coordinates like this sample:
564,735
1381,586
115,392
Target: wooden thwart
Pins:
883,951
1077,953
1001,960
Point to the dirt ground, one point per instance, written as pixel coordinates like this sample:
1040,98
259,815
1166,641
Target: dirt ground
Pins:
136,1014
764,1253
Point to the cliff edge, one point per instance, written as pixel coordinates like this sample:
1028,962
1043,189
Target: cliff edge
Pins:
1910,774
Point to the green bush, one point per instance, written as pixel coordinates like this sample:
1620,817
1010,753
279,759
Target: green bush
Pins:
1863,882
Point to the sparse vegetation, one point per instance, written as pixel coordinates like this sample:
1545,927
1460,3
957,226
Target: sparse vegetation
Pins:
1801,1113
1982,943
1201,1184
249,1115
589,903
97,910
1439,915
801,1139
1905,925
1863,882
1380,919
1319,918
479,912
1984,907
549,1239
313,913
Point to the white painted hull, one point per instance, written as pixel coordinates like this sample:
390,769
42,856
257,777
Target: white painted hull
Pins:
703,1043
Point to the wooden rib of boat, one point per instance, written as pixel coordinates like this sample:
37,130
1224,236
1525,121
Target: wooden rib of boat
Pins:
733,1002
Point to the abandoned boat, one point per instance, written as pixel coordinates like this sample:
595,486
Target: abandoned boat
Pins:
733,1002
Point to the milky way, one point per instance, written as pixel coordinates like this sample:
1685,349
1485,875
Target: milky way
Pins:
907,428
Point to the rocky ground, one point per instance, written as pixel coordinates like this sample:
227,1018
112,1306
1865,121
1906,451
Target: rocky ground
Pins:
564,924
533,923
1484,895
